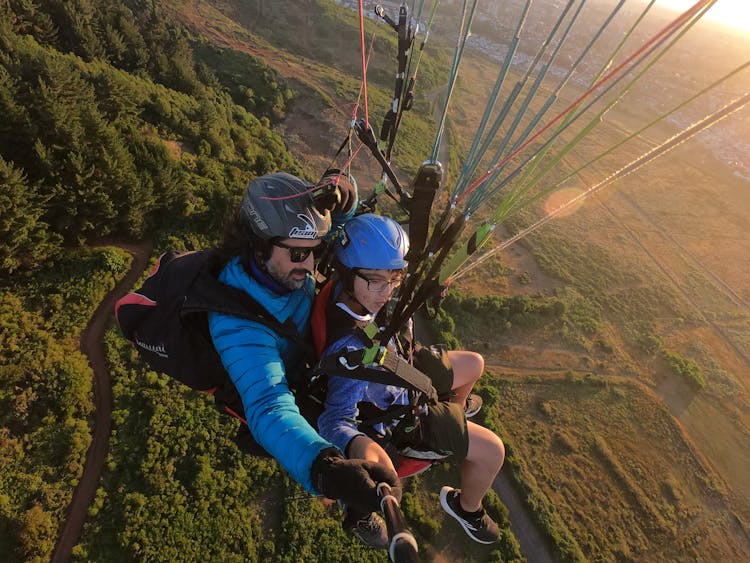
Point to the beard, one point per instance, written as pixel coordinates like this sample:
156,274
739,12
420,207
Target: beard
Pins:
287,280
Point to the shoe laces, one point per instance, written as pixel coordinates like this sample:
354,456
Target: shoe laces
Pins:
368,523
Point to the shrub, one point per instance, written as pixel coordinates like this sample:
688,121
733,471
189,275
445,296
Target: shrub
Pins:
686,368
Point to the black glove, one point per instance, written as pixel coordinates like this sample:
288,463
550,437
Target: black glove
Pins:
338,193
353,481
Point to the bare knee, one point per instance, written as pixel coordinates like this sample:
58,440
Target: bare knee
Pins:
485,447
467,366
477,361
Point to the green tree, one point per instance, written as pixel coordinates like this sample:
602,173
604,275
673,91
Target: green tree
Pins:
23,236
27,18
37,532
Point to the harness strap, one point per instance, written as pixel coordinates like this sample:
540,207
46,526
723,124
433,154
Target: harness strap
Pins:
372,415
407,372
397,372
424,187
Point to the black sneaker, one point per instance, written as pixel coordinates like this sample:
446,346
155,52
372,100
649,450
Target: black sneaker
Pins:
480,527
370,529
473,404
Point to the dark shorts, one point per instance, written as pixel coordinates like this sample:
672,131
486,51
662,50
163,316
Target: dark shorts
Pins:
434,363
444,427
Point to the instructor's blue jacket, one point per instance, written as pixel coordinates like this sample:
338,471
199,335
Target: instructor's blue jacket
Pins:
257,360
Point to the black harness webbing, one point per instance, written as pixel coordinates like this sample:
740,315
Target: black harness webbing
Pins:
424,187
351,364
397,371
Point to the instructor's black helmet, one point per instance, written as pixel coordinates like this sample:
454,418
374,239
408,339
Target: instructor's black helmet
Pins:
279,206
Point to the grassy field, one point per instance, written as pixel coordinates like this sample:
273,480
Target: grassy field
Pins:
623,477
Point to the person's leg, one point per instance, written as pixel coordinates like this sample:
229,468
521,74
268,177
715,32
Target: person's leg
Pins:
467,369
362,447
482,464
484,458
369,528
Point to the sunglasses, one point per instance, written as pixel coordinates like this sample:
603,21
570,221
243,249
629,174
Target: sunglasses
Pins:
297,254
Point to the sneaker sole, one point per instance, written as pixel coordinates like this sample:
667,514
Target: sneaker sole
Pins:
470,413
444,502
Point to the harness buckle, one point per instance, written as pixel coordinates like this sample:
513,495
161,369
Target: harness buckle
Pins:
380,356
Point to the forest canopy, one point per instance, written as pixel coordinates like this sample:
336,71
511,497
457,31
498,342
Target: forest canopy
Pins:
113,124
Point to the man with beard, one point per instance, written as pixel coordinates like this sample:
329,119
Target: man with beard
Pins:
269,247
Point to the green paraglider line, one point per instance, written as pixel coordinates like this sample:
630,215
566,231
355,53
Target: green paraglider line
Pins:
515,195
472,159
530,169
474,200
633,135
457,56
626,170
609,76
531,94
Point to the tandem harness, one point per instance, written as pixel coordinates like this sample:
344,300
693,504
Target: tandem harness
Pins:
373,363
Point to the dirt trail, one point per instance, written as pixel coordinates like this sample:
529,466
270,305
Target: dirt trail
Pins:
92,345
533,543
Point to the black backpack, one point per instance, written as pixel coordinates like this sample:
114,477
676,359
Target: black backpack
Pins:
166,319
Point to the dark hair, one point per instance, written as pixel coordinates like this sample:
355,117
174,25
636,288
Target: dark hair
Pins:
239,240
344,274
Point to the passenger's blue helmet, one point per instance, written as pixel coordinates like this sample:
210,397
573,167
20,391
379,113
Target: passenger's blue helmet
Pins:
373,242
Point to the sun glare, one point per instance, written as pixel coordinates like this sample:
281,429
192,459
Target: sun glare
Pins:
734,13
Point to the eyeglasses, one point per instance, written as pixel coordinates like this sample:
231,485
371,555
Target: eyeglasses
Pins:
380,285
297,254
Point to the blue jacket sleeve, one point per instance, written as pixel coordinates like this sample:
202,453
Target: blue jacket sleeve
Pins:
252,355
336,423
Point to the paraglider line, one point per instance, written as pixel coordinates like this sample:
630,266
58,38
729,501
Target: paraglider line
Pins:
666,30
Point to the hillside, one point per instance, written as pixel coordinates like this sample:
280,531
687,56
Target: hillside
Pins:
616,341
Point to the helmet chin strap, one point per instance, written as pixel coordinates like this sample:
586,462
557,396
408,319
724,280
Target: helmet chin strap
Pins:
350,295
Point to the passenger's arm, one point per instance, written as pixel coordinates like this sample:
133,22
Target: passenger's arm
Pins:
336,423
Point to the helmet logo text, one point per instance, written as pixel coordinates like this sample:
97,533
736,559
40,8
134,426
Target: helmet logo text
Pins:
307,231
255,217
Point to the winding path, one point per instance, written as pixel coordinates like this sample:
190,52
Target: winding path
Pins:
93,346
534,546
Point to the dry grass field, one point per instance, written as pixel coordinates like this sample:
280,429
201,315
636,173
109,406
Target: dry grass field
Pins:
623,476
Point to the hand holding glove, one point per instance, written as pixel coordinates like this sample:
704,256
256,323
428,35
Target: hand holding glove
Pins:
353,481
338,193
